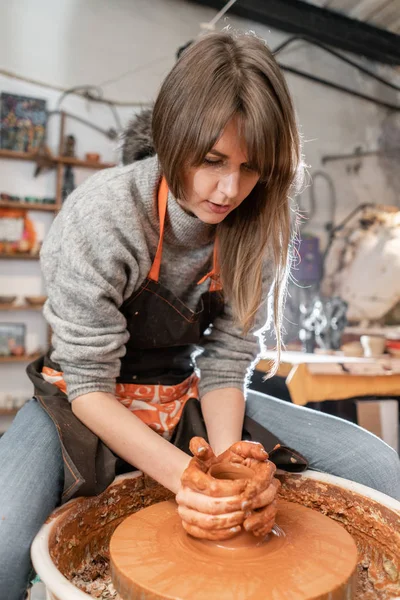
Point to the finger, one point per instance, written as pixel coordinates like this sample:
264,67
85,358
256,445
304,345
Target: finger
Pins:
211,505
224,521
267,496
204,534
200,448
257,519
250,450
262,529
263,473
195,478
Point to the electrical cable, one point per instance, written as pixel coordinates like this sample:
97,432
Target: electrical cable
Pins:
338,55
339,227
94,94
111,133
58,88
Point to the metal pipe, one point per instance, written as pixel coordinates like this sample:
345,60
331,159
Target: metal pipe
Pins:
340,88
330,157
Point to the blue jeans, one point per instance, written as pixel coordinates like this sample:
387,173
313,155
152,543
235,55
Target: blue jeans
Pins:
31,470
331,445
31,483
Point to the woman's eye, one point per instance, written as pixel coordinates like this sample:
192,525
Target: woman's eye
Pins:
208,161
246,167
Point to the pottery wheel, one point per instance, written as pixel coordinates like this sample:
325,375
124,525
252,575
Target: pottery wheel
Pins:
307,556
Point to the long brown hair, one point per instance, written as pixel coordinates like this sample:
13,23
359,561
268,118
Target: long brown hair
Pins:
221,76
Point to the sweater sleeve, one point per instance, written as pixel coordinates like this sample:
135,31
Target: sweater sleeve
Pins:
88,268
228,356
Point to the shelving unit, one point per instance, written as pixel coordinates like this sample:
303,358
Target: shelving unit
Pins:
8,412
30,156
59,163
65,160
20,307
29,206
18,359
83,164
19,256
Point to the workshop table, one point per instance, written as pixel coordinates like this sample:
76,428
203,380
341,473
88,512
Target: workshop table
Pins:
321,377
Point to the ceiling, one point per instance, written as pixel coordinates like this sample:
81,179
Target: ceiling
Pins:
384,14
368,28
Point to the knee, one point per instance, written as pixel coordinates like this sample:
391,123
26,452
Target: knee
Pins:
374,464
386,472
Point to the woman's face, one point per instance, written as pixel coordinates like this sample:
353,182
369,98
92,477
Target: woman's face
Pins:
223,181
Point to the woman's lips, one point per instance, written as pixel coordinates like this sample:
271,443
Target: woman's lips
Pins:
218,208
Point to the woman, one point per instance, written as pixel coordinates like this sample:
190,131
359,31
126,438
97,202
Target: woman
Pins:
180,254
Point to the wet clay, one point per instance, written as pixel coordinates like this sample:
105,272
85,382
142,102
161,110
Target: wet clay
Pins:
261,521
85,525
79,541
308,556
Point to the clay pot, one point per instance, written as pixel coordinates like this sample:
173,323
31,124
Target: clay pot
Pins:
373,345
230,471
82,529
92,157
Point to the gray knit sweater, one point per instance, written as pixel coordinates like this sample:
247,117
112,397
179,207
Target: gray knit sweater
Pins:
100,249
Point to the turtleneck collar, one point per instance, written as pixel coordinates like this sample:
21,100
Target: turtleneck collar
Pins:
181,229
184,229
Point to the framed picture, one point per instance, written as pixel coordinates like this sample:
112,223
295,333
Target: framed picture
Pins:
22,122
12,339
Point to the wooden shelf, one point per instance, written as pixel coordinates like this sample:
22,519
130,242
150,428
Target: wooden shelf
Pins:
63,160
20,256
20,307
28,206
8,412
85,164
17,155
18,359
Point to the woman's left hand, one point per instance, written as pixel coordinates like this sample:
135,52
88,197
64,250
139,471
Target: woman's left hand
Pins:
260,517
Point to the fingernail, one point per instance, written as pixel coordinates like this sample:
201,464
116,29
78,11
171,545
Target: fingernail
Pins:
246,504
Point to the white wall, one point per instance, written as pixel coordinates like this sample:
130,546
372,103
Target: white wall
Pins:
127,47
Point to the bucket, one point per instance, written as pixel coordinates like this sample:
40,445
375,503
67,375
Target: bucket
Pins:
70,552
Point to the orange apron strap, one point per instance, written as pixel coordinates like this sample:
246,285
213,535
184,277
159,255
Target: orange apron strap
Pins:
154,273
214,273
162,198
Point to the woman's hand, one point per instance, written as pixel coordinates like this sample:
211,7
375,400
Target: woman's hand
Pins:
209,508
260,517
217,509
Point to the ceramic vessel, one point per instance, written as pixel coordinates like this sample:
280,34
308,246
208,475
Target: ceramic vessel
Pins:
373,345
83,528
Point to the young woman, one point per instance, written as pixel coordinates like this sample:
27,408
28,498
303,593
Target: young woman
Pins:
156,268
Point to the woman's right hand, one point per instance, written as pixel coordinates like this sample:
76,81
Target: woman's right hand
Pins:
217,509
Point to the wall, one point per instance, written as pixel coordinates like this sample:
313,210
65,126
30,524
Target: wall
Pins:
127,47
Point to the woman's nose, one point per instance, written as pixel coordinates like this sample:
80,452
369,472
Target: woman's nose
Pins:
229,184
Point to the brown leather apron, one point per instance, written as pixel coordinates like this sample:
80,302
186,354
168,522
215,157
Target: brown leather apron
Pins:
164,333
